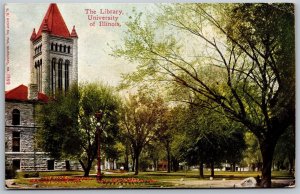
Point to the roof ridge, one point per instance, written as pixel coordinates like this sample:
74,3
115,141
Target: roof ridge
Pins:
20,93
11,90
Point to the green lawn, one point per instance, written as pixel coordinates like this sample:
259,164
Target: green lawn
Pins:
120,180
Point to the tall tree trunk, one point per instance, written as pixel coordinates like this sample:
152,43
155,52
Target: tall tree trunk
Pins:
212,169
175,165
169,157
233,166
267,147
86,168
201,173
133,164
154,165
136,163
126,164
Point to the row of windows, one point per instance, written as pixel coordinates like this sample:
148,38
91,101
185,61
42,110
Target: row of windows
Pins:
61,76
38,49
54,47
60,48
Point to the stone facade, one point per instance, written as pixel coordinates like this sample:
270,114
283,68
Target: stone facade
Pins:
30,157
53,49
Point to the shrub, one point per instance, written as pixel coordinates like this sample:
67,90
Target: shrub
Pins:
31,174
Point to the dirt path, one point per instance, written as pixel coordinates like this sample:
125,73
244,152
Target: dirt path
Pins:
218,183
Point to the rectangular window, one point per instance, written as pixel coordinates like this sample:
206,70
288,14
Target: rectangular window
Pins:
50,164
16,164
16,142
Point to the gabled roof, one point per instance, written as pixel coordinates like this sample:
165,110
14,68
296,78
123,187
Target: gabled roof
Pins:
20,93
54,23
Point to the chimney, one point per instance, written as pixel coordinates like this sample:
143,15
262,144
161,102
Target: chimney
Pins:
33,92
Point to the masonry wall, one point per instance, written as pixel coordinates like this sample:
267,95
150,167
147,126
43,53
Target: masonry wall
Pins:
31,158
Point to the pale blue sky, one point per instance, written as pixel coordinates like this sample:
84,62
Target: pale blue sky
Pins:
94,61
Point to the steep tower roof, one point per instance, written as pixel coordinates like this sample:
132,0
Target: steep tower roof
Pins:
54,23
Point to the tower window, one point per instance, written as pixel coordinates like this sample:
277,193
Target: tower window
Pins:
53,75
37,70
52,45
16,117
65,48
38,66
16,141
60,48
69,48
56,47
67,63
40,74
60,63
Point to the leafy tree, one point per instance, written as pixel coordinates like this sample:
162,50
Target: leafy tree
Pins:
68,123
212,139
140,119
239,57
59,125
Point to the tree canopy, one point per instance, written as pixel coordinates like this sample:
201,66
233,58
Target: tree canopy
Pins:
68,123
237,57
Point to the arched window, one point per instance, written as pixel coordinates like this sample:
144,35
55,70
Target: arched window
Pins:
60,63
37,70
56,46
41,74
67,63
52,46
69,49
65,48
16,117
53,75
60,48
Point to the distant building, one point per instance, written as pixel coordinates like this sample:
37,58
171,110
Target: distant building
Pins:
54,67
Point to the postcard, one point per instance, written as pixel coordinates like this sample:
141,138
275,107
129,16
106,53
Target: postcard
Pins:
149,95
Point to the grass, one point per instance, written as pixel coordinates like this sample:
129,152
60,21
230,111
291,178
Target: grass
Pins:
162,179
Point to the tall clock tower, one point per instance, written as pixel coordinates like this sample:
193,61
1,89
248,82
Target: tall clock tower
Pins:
53,54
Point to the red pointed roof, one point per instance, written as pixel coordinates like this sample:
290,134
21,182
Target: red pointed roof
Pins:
20,93
54,23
